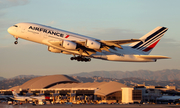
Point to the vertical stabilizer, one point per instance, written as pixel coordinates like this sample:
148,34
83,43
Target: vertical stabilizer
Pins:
14,93
149,40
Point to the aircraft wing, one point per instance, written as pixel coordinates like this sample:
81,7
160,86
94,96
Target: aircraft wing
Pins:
127,41
106,45
118,43
152,57
10,98
115,43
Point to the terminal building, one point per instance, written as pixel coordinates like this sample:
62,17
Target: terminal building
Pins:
66,88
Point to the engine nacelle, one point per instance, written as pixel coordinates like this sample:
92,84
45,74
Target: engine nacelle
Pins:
93,44
54,50
69,44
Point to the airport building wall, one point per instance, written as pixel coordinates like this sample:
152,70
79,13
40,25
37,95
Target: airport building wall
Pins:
89,95
129,95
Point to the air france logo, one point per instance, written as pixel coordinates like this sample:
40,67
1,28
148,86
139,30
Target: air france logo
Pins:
46,31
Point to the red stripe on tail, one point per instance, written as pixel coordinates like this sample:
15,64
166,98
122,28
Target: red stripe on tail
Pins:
151,47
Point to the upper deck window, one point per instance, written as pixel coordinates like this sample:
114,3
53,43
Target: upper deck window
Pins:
15,25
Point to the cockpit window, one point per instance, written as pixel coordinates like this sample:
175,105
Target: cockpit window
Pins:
15,25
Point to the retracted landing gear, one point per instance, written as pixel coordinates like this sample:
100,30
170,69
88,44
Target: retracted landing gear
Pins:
80,58
16,42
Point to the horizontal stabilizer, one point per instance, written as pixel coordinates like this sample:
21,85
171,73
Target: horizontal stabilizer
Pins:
152,57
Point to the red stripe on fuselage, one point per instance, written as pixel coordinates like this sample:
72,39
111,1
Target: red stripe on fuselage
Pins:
67,36
151,47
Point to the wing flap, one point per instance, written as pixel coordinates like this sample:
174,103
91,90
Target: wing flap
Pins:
152,57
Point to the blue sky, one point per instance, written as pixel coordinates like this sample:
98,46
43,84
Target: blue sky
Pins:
102,19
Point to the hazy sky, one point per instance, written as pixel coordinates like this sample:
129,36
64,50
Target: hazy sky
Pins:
102,19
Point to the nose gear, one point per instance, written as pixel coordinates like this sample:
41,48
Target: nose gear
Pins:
16,42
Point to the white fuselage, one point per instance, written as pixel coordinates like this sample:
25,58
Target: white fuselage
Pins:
30,98
22,98
45,35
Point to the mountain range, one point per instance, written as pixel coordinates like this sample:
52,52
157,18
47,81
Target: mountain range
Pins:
8,83
161,75
19,77
160,78
2,78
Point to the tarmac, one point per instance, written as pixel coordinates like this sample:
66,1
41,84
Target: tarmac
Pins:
5,105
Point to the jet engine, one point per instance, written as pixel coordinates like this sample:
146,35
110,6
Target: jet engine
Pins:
69,44
54,50
93,44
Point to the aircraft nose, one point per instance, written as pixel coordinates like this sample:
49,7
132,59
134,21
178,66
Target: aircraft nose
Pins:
9,29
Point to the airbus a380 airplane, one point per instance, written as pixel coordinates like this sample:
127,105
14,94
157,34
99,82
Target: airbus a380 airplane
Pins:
26,98
83,48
